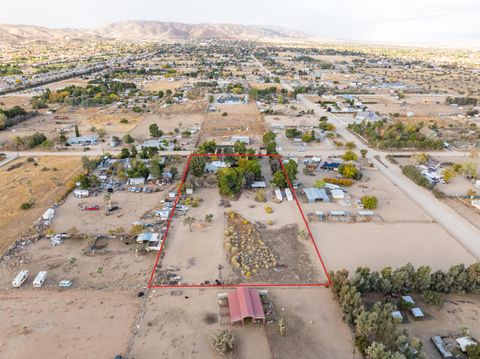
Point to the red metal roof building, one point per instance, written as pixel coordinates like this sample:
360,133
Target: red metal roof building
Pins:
245,303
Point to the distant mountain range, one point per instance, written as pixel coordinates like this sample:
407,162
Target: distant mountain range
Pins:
152,30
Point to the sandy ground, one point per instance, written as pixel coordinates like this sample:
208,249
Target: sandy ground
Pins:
132,207
9,101
65,324
457,312
176,326
162,84
76,81
380,245
30,182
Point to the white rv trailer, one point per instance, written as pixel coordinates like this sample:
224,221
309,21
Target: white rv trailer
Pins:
39,279
20,279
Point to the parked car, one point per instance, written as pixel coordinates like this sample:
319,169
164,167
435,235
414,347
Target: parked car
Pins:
65,283
92,208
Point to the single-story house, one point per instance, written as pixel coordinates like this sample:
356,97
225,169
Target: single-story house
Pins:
83,140
441,347
214,166
316,194
407,299
244,303
397,315
464,342
367,115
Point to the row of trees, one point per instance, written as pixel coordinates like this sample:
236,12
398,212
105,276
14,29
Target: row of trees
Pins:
395,135
12,116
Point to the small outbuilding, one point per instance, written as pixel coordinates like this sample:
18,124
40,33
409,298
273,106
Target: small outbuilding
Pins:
417,313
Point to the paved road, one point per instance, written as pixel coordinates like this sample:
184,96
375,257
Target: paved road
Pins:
462,230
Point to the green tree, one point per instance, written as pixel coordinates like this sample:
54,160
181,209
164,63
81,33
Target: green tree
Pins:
278,179
128,139
154,131
473,351
292,170
208,147
197,165
369,202
189,221
350,145
363,152
348,170
77,132
230,180
269,137
88,165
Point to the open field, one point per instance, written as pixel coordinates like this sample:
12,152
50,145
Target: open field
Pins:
65,324
376,245
181,320
241,119
9,101
76,81
31,182
162,84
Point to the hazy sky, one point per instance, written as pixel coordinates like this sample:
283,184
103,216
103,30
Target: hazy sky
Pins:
447,22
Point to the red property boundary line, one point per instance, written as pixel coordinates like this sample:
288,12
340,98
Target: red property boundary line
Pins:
172,213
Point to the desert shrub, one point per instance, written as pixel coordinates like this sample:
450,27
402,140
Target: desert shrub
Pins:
260,195
222,341
27,205
369,202
268,209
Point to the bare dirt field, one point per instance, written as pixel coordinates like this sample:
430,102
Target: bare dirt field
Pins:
65,324
162,84
380,245
9,101
184,320
31,182
242,119
76,81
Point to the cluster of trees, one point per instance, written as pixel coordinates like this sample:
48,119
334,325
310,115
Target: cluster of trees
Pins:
462,101
376,331
350,156
257,93
395,135
12,116
269,142
325,125
243,171
32,141
279,179
10,69
103,93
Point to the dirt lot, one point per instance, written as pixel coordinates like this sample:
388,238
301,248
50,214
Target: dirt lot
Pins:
9,101
162,84
31,182
198,254
117,265
242,119
181,321
132,207
65,324
376,245
457,312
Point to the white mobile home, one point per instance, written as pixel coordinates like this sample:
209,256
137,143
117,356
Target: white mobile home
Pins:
81,193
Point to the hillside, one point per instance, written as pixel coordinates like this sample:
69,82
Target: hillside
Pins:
151,30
